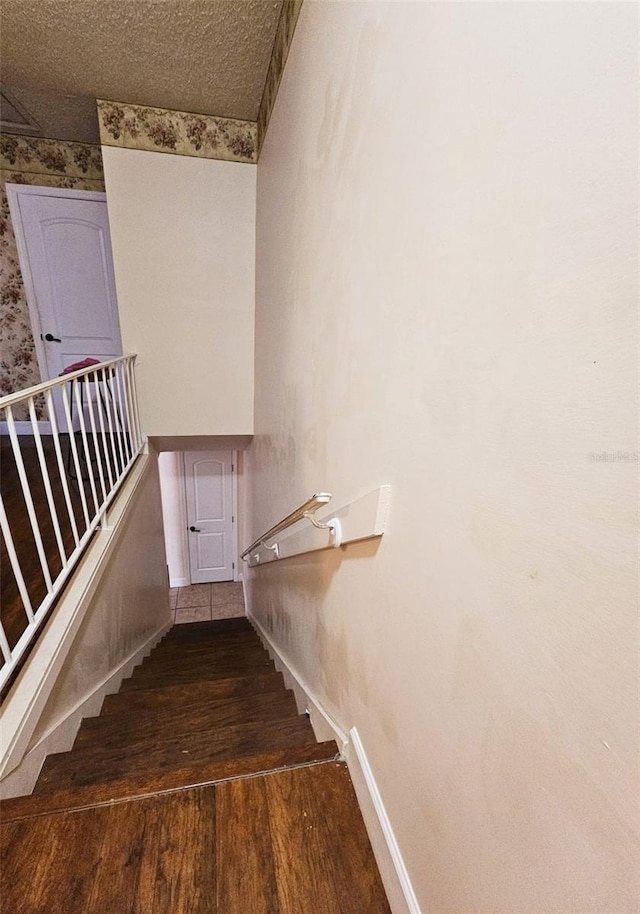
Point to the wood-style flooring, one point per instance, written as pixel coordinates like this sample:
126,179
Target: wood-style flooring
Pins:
198,790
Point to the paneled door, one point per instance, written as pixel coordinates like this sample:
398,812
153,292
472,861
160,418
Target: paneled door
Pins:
210,522
64,248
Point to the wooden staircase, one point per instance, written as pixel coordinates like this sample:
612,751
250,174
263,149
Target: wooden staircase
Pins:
202,786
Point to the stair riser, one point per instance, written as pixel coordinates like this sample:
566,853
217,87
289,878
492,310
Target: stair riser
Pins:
155,699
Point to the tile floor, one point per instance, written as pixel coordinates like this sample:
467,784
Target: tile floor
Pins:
204,602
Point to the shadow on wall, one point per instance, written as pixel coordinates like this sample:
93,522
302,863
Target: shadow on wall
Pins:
324,639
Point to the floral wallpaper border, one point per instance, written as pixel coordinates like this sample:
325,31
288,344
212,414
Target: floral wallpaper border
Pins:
176,132
44,163
33,155
281,44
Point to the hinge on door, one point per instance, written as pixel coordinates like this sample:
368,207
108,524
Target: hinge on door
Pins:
233,565
233,520
232,468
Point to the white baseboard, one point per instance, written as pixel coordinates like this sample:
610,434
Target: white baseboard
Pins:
61,735
179,582
393,872
324,726
395,878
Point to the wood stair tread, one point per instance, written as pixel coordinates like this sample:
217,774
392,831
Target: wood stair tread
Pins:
151,783
133,727
204,660
206,635
192,655
242,641
87,765
196,653
158,697
205,705
174,673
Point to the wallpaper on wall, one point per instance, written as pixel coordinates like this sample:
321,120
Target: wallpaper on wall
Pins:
176,132
44,163
282,43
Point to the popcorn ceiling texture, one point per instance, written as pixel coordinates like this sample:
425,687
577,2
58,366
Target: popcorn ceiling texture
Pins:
184,55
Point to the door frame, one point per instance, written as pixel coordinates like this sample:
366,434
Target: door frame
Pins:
234,508
182,532
14,191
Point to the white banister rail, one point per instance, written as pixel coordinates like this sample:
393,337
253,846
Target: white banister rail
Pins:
305,510
62,468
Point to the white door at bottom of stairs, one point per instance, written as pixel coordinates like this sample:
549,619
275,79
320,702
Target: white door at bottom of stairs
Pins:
210,522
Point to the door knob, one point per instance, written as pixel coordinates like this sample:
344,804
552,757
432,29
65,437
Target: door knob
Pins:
195,529
50,338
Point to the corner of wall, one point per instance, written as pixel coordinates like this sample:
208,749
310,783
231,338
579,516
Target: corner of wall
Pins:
393,872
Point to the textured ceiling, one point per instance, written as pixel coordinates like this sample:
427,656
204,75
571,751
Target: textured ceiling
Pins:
203,56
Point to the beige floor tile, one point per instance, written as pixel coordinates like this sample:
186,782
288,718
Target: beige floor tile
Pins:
223,594
226,588
227,612
194,595
231,605
173,596
193,614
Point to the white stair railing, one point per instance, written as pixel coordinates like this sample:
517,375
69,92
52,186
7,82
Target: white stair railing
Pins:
61,468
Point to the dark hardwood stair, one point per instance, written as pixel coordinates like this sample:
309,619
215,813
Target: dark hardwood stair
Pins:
207,695
198,789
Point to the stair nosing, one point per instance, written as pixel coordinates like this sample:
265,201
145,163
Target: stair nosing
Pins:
18,808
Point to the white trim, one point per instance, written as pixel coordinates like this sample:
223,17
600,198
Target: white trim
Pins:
61,735
179,582
234,532
393,871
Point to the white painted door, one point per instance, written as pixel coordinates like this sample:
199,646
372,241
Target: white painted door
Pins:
209,495
65,257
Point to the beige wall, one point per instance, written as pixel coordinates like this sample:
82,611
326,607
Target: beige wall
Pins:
446,303
115,608
183,235
131,604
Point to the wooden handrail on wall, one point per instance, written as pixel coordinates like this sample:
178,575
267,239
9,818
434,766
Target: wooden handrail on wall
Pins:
363,518
305,510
